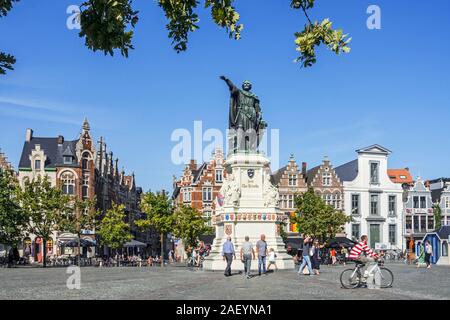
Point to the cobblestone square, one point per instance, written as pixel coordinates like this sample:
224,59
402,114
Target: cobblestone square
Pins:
185,284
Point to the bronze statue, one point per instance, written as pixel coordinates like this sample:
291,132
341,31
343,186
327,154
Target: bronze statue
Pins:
245,111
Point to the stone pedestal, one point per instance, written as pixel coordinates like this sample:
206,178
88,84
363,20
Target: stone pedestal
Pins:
247,206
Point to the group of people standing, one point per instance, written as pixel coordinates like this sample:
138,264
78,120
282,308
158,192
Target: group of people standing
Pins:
248,254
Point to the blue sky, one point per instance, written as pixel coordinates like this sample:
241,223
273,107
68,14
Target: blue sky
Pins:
392,89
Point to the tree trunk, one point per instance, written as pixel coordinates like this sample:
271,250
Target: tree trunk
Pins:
44,253
162,250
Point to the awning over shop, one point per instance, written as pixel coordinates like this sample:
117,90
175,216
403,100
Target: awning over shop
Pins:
134,244
73,243
340,242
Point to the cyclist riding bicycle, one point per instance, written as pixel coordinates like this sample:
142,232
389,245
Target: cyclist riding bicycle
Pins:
357,252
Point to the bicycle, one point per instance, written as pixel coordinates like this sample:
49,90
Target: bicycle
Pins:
353,278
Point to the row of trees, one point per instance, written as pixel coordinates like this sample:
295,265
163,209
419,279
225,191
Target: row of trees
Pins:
40,209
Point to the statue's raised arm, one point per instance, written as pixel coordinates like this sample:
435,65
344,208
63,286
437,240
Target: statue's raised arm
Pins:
230,84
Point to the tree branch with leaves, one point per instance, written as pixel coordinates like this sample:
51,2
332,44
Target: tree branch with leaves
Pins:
108,25
158,210
44,205
317,219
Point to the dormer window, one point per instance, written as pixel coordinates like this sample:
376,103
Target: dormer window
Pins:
37,164
68,160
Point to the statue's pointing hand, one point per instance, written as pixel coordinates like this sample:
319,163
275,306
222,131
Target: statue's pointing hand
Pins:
223,78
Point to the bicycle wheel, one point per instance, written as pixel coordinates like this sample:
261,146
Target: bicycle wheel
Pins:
387,278
350,279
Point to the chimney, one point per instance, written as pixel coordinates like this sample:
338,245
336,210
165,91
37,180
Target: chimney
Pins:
304,166
193,165
28,135
60,140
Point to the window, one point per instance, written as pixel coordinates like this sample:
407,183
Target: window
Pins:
67,160
356,233
393,234
284,202
374,172
337,201
207,217
291,201
85,161
447,202
207,194
219,175
423,223
355,204
408,223
326,179
85,187
292,180
392,205
430,223
68,183
416,202
416,224
187,194
374,204
423,202
37,164
328,198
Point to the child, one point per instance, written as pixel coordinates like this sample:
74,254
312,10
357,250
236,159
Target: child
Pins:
272,257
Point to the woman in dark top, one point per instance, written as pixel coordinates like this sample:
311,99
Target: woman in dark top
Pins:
316,259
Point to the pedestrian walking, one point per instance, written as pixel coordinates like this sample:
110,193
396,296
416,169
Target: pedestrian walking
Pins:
315,258
272,260
247,254
333,257
228,253
421,256
428,253
306,256
261,249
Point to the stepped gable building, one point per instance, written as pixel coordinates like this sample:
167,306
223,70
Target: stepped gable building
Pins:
199,185
418,211
290,181
440,192
4,163
79,170
326,183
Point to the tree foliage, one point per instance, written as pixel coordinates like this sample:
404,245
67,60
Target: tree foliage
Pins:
108,25
44,206
317,219
437,215
112,229
13,220
189,225
159,212
6,60
159,215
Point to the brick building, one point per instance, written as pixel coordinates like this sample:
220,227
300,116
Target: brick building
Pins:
80,171
325,182
199,185
290,181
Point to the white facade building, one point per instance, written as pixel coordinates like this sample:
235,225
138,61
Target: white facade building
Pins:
372,199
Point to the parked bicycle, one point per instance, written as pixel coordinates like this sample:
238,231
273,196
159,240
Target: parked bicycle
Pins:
353,278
